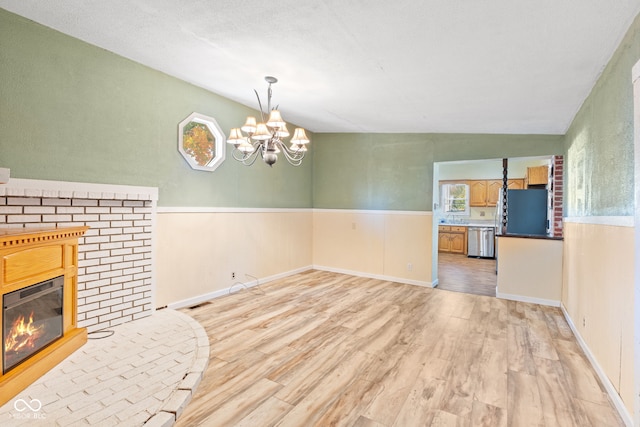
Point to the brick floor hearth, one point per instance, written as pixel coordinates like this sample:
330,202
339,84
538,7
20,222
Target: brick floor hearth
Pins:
143,374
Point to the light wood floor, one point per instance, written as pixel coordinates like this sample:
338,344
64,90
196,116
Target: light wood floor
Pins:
459,273
323,349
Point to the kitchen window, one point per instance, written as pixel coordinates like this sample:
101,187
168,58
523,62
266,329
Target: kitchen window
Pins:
455,199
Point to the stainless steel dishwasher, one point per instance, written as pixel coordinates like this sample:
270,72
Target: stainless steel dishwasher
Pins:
480,242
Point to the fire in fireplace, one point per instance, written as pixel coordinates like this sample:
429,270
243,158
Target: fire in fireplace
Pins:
32,319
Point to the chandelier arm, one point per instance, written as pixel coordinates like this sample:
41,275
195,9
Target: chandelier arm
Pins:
260,105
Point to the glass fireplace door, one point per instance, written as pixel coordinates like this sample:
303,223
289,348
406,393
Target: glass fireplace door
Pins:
31,319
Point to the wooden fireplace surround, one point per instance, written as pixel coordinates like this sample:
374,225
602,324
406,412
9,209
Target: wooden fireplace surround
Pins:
30,256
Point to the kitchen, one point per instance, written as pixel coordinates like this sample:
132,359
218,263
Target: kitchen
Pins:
469,225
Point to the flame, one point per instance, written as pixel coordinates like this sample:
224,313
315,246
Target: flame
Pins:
23,335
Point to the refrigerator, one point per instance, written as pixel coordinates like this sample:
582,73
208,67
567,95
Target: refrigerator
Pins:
527,212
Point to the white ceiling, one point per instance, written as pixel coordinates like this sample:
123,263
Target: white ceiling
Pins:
468,66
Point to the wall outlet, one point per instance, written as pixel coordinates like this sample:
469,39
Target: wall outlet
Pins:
233,275
482,213
353,225
584,321
409,267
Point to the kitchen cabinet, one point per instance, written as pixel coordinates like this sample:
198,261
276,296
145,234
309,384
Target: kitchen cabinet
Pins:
478,193
515,184
537,175
493,191
452,239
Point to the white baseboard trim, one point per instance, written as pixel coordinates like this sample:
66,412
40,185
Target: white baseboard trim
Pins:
611,390
375,276
522,298
190,302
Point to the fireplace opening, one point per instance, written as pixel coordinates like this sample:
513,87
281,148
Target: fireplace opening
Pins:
31,319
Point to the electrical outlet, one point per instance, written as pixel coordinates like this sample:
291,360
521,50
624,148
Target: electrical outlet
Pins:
353,225
584,321
409,267
233,275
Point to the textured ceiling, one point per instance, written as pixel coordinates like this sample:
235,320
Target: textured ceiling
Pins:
468,66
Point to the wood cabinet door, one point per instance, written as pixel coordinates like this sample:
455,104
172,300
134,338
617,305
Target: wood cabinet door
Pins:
515,184
457,243
478,193
538,175
444,242
493,192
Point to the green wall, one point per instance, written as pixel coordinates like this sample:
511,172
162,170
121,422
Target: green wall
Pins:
599,161
70,111
395,171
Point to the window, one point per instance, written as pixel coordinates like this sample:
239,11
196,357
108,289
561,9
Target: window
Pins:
455,199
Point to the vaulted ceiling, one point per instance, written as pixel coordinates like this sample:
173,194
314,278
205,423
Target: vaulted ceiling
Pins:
467,66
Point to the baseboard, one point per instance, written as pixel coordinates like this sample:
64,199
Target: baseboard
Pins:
190,302
611,390
532,300
375,276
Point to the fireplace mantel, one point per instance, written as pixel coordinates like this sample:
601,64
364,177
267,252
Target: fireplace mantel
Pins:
29,256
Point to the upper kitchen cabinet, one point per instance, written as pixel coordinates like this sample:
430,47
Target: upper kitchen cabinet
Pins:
478,193
493,191
537,175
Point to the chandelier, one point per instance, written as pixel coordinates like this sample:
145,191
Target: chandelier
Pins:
266,137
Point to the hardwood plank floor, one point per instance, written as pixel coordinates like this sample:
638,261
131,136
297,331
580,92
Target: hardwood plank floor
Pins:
459,273
321,348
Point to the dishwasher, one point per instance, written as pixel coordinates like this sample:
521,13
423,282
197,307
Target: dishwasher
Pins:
480,242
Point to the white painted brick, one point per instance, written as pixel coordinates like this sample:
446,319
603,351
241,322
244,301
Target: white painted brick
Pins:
133,310
110,259
134,203
122,279
100,298
121,320
110,202
110,288
85,217
133,217
142,249
98,313
143,210
110,302
134,257
125,251
122,293
132,297
89,262
56,218
136,270
134,284
23,218
88,248
96,254
122,238
122,210
143,223
88,292
121,224
142,236
99,224
133,244
107,317
111,246
97,239
88,277
56,202
122,265
39,210
10,209
84,308
84,202
3,201
110,217
145,313
97,283
134,230
23,201
97,210
111,231
121,306
69,210
111,274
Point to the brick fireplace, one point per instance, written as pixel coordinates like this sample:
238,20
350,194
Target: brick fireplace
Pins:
115,256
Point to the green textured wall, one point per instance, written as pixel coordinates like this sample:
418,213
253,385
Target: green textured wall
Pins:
599,143
395,171
73,112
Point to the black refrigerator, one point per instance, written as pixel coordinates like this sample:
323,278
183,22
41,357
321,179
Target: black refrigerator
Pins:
527,212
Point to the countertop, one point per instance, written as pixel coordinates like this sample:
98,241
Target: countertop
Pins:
470,224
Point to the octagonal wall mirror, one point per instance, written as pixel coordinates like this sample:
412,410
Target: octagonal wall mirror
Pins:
201,142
